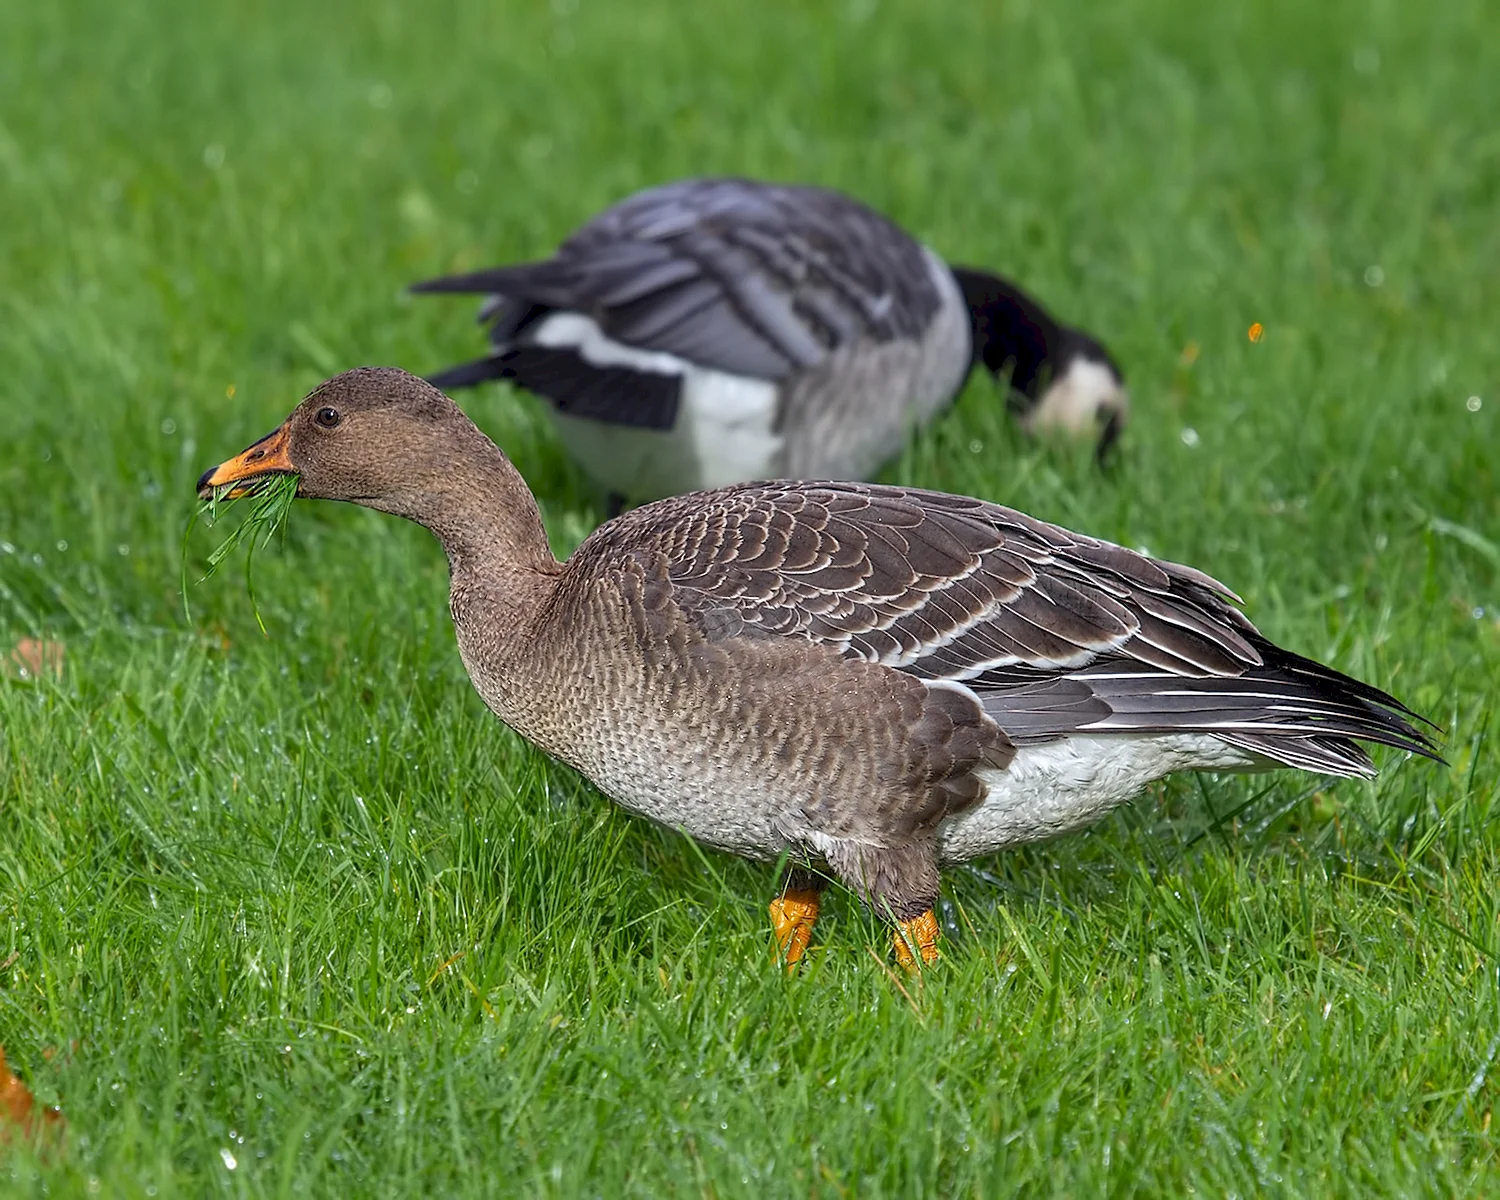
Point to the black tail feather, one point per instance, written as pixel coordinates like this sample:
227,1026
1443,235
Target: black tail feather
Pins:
492,281
470,373
1288,709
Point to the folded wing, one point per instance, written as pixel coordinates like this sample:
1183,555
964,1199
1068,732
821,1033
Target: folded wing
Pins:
1055,632
751,279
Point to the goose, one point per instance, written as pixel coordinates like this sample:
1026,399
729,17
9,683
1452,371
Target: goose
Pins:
858,680
713,331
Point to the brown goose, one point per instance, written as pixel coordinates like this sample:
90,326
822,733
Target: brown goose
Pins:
875,679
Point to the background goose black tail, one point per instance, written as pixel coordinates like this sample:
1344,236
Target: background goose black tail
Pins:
471,373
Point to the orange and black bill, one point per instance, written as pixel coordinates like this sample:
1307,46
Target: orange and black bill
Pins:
267,457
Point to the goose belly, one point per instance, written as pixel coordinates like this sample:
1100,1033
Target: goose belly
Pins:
851,413
694,793
1072,783
652,762
724,432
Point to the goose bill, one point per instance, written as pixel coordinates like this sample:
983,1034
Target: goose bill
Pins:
266,457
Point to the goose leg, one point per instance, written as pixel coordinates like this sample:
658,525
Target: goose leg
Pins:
794,912
917,936
900,882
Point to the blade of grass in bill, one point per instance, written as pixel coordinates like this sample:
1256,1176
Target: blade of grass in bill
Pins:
271,500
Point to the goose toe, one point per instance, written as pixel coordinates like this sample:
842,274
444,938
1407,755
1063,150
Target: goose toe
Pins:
917,936
793,915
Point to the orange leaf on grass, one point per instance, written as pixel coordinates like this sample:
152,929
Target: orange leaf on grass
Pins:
18,1108
30,659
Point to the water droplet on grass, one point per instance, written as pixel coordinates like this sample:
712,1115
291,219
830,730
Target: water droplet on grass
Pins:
1473,403
417,209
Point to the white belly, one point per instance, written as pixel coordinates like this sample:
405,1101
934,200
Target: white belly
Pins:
1047,791
724,432
1072,783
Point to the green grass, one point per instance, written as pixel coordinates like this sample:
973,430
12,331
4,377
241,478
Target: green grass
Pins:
268,505
297,902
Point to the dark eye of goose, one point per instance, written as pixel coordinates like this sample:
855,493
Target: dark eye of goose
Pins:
327,417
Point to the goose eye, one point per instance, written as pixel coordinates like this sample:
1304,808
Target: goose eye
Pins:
327,417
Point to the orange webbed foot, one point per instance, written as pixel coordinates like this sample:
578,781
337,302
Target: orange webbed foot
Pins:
793,914
918,935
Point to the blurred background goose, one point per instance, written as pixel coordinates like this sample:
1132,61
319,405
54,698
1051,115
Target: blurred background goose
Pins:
713,331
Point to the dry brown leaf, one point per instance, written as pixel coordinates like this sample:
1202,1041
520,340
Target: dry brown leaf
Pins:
19,1111
31,658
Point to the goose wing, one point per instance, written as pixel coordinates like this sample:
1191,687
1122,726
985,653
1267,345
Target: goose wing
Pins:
1055,632
747,278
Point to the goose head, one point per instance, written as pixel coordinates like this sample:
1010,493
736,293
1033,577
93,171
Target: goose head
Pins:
1062,379
374,436
384,439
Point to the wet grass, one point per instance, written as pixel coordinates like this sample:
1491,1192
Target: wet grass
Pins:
268,504
292,913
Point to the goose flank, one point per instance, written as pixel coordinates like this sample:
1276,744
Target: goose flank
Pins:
873,680
712,331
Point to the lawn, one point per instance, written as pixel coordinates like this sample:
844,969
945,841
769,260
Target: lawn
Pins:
290,913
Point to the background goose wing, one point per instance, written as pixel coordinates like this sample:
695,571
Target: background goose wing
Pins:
752,279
